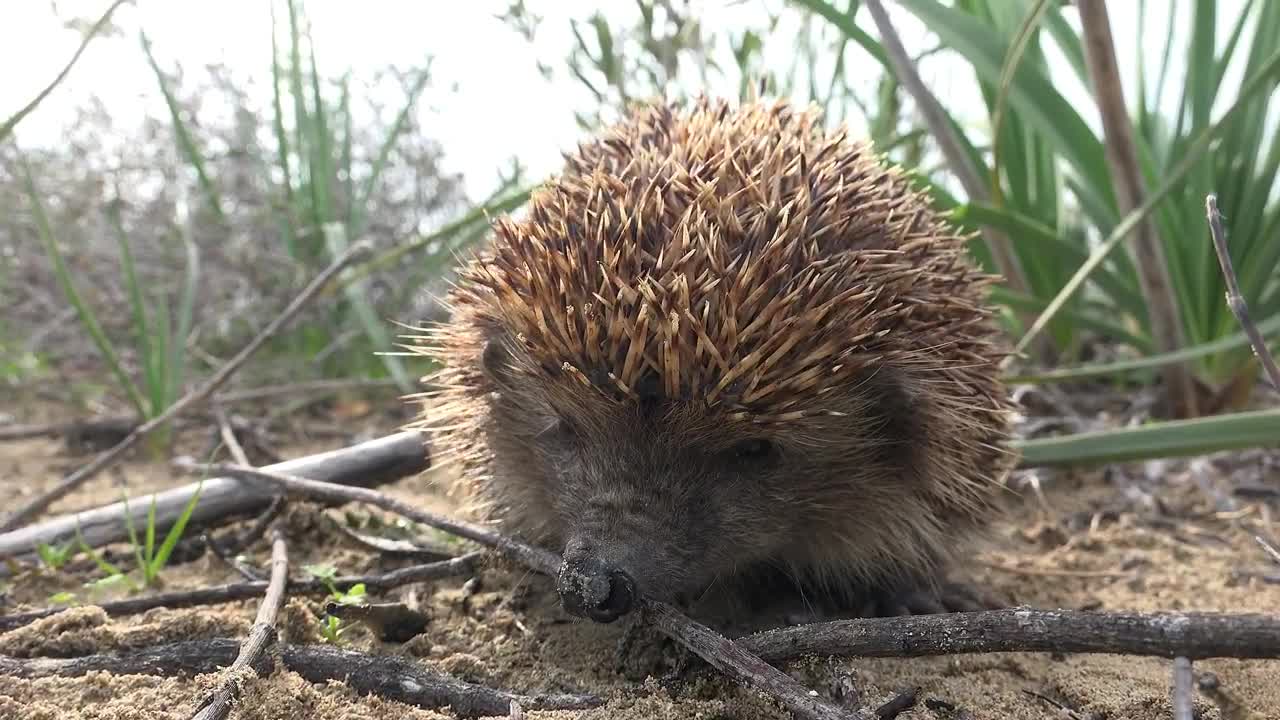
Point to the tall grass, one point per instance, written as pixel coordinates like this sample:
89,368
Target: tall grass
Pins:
1052,190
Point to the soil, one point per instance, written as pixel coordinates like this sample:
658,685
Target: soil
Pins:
1146,537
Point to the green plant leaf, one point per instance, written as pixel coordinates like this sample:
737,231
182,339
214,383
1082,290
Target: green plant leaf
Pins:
1179,438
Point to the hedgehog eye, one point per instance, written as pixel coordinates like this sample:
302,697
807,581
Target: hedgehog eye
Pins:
753,450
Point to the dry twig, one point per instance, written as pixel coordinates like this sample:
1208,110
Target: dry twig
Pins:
460,565
356,252
369,463
1182,705
718,651
1153,274
1191,635
1235,300
263,635
389,676
1267,547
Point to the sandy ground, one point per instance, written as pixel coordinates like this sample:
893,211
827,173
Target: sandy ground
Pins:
1142,537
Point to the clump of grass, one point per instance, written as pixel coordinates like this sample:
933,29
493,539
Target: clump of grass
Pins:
151,559
54,557
160,338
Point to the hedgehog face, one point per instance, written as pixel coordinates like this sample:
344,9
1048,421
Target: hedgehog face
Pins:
652,494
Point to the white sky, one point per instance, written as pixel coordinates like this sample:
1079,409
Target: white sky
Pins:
501,106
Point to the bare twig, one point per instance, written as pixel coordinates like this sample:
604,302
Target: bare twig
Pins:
357,251
460,565
229,436
717,650
1153,272
1182,705
263,635
935,118
1268,548
392,677
12,122
1191,635
1235,300
527,555
369,463
730,658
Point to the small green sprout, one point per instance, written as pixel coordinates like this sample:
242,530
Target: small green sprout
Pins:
54,557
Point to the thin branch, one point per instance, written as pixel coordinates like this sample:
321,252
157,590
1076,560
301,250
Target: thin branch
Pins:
1191,635
17,117
717,650
1182,705
1235,300
393,677
1268,548
229,436
356,252
730,658
461,565
373,462
262,636
959,163
527,555
1122,157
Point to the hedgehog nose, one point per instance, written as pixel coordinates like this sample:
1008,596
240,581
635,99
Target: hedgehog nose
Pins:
591,588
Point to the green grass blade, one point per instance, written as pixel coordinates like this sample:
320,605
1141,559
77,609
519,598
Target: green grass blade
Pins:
1078,318
1030,231
360,204
1021,41
138,553
138,307
1031,93
321,147
282,144
844,22
186,318
85,314
175,533
1180,438
1190,158
1270,328
151,529
335,236
186,142
12,122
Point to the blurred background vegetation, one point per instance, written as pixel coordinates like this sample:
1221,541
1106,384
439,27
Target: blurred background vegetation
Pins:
136,256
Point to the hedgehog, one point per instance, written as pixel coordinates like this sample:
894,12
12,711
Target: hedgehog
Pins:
725,349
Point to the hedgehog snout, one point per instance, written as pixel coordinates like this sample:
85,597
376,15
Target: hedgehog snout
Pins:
591,587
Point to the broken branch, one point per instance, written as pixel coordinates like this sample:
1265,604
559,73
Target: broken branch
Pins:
388,676
260,637
1192,635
